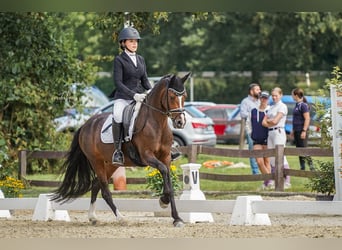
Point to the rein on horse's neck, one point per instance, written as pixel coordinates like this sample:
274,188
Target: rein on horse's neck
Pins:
168,111
150,96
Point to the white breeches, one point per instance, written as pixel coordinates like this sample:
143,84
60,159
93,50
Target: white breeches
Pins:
118,109
276,137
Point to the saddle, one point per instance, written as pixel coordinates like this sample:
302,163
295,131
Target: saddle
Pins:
129,116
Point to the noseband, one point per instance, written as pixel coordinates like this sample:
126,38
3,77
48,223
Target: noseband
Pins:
168,111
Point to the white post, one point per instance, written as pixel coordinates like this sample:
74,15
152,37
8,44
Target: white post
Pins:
336,120
191,89
191,191
44,211
243,214
4,213
307,77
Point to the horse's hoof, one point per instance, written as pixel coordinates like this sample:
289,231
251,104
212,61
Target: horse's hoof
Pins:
178,223
119,216
162,204
93,221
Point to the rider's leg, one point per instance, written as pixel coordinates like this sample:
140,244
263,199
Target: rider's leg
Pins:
175,155
119,105
118,157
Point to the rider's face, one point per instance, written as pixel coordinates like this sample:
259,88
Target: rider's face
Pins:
131,45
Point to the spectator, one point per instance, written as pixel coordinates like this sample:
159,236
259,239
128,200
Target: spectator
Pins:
247,104
275,122
260,133
301,123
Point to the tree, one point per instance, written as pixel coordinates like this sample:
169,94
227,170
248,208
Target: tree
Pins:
38,65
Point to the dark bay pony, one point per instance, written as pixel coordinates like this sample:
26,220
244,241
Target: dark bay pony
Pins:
88,166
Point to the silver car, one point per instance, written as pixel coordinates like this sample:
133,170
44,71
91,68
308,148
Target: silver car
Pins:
198,128
72,119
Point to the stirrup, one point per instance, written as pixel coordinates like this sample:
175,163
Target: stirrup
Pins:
175,156
118,157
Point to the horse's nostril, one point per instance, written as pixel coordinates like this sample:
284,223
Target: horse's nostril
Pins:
180,124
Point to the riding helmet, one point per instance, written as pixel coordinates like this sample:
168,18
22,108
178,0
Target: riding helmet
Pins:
129,33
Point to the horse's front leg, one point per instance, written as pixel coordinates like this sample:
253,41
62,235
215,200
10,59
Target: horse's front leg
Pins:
168,193
164,199
168,196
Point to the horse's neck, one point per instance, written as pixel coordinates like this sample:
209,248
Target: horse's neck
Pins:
154,110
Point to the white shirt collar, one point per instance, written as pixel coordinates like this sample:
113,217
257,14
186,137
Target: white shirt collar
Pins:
130,53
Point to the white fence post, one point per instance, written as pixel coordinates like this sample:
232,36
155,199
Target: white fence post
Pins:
243,213
44,211
4,213
191,191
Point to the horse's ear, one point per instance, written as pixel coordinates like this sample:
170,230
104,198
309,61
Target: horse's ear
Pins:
184,78
172,78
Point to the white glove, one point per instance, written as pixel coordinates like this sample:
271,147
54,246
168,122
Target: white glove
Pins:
139,97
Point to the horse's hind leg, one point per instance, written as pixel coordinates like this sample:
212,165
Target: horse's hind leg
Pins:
94,191
107,196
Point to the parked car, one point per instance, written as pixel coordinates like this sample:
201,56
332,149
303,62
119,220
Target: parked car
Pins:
227,121
198,128
200,103
72,118
233,131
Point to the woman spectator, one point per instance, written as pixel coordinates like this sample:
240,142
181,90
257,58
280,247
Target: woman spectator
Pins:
300,125
259,135
275,122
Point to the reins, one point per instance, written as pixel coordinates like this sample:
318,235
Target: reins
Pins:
169,112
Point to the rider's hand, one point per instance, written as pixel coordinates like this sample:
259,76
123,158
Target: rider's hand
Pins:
139,97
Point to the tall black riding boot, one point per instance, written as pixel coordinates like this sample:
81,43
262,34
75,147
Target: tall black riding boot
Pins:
118,156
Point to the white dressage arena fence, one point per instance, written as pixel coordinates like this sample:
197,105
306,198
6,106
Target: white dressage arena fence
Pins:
192,205
245,210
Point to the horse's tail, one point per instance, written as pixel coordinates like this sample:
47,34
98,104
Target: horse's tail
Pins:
79,174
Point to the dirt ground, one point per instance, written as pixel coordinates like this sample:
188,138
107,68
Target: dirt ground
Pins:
146,225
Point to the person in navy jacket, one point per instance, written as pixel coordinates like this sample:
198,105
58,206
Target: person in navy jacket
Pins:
259,134
131,83
300,125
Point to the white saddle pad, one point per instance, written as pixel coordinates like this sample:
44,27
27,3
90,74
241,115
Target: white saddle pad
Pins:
107,135
106,130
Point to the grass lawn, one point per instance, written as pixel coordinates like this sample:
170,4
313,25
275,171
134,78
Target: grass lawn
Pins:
298,183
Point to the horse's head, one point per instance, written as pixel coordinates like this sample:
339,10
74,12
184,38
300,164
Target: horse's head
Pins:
176,95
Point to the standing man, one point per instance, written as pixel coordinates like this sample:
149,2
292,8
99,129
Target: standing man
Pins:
247,104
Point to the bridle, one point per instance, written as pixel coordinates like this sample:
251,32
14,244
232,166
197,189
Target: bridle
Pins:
168,111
